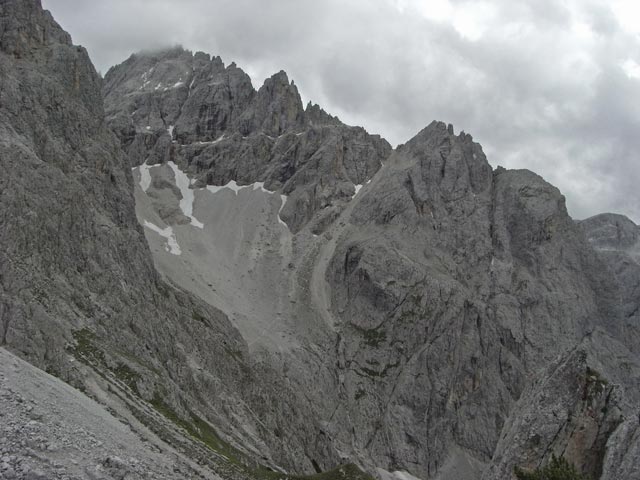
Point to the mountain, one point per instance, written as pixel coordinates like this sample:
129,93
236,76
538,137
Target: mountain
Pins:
222,129
262,289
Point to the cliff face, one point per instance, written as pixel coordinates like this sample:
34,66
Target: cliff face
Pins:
79,295
293,292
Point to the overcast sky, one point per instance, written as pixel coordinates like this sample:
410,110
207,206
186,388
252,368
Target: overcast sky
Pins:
548,85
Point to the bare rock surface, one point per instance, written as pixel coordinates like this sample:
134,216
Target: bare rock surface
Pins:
261,286
52,431
78,288
208,118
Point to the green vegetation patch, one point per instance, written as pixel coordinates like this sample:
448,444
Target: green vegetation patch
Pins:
557,469
373,337
198,317
198,429
85,349
203,432
127,376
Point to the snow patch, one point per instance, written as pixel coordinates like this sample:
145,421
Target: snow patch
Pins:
232,185
170,130
172,243
178,84
284,200
146,74
357,187
186,204
212,141
260,186
145,78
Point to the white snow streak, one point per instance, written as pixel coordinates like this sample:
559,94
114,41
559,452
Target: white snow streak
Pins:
284,200
170,130
212,142
172,243
260,186
145,78
193,80
232,185
357,187
186,204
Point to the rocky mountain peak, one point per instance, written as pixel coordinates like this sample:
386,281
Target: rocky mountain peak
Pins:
206,117
611,231
25,27
278,106
454,162
315,115
438,133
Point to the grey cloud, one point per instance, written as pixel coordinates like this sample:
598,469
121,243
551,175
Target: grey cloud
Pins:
532,91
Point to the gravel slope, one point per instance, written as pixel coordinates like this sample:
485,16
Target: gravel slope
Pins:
49,430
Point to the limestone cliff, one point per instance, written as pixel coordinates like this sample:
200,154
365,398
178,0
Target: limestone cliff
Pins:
264,288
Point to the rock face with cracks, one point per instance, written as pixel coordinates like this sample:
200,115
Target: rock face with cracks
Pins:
294,295
191,109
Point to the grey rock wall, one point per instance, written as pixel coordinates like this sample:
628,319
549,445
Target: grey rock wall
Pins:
423,312
210,120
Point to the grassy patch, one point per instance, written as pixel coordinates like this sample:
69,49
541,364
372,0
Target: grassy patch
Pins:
557,469
85,349
198,429
203,432
127,376
373,337
198,317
